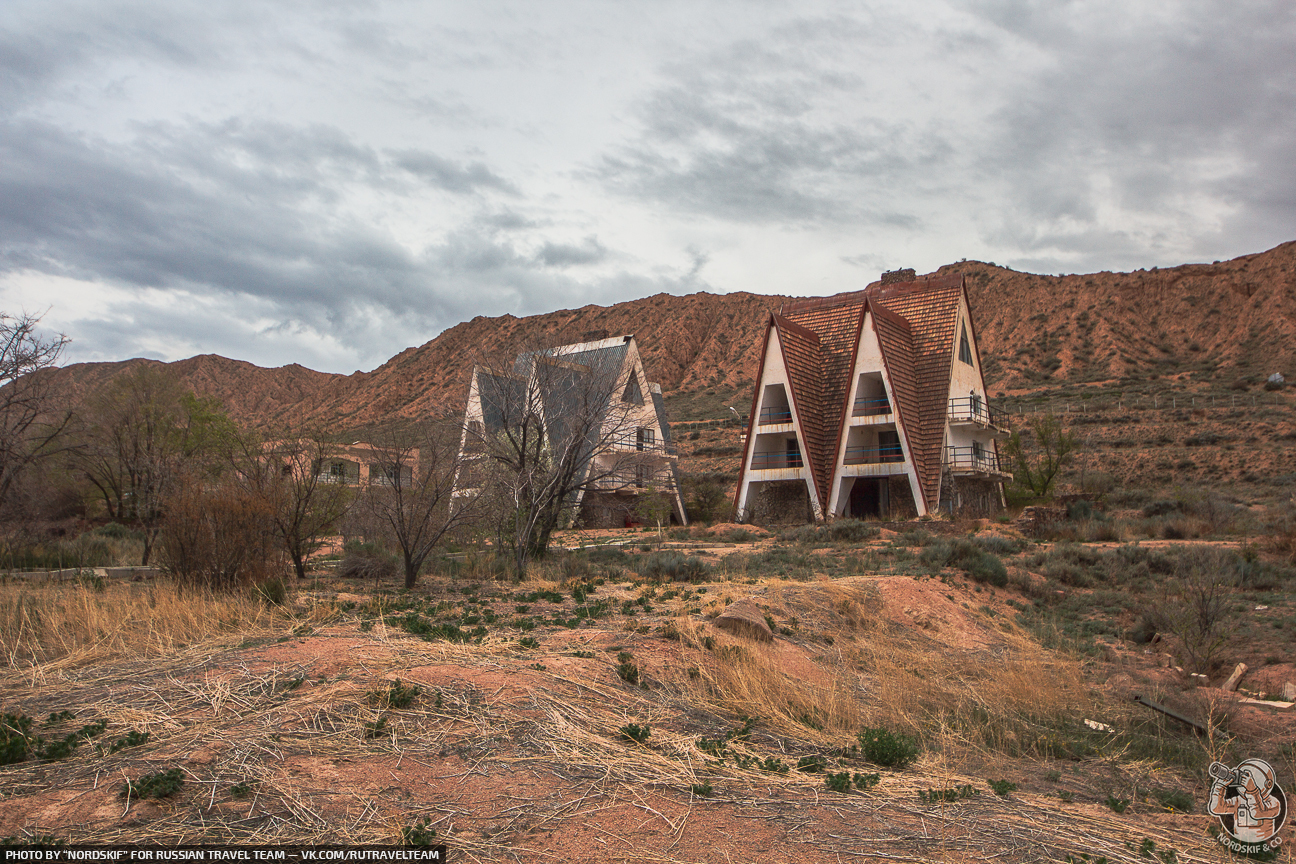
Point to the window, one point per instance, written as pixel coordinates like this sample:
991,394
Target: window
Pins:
965,348
793,453
632,393
974,400
643,438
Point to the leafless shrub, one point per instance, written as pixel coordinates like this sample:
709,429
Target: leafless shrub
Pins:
1195,607
219,535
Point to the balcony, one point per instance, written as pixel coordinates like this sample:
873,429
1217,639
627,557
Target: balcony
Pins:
773,461
774,415
973,411
874,455
870,406
625,481
636,444
975,461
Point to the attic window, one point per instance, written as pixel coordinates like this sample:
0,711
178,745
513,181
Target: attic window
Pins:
965,348
632,393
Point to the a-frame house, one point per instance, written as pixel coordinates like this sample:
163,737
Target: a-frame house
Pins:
590,402
872,403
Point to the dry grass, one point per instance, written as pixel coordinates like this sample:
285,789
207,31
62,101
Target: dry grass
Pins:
75,623
1011,699
509,759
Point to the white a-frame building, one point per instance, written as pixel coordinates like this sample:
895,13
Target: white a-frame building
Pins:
872,404
589,421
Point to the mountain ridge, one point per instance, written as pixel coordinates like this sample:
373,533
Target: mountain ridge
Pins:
1190,325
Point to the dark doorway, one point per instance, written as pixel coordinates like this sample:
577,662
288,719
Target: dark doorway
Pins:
868,497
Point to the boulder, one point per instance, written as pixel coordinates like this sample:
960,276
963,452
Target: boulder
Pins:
744,618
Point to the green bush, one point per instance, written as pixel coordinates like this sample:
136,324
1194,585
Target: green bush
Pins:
915,537
674,567
159,785
118,531
967,555
419,834
889,749
626,670
947,796
396,695
837,531
851,531
14,739
273,592
987,568
636,733
1002,788
996,545
1174,800
838,782
812,764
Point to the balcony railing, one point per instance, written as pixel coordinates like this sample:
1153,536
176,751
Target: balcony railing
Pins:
767,461
775,415
874,455
976,410
973,459
871,407
633,442
625,481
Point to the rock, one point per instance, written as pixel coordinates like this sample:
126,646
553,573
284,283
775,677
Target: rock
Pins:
1238,671
744,618
1289,692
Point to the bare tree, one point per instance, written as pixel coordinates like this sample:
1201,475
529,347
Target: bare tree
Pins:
1196,607
538,436
303,500
140,435
410,500
29,427
1036,464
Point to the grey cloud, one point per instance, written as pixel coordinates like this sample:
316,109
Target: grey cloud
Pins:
450,176
590,251
228,210
1172,122
43,43
506,220
753,134
240,218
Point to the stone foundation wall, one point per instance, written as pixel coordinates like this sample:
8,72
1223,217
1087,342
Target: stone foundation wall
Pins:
782,502
902,502
605,510
976,499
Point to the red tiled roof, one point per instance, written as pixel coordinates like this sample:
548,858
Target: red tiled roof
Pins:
930,307
803,358
837,325
914,322
895,338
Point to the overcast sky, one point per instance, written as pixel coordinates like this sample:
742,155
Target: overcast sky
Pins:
328,183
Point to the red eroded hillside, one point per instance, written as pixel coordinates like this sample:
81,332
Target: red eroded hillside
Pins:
1197,324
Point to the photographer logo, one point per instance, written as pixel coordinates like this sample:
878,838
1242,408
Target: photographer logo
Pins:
1250,806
